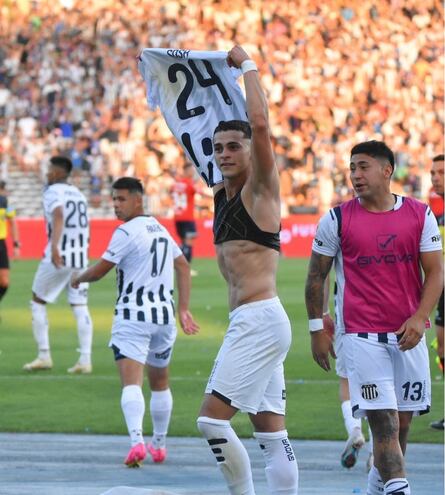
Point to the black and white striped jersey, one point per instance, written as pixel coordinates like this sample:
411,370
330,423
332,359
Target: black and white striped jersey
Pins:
74,241
144,252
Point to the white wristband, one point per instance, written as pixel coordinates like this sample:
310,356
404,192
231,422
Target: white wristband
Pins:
315,325
248,65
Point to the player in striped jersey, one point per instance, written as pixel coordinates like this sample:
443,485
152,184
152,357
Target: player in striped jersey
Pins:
66,215
144,330
381,244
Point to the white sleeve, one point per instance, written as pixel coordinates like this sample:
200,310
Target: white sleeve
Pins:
118,247
326,239
431,239
51,200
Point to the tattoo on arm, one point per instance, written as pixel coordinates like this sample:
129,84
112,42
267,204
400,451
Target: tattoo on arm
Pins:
319,268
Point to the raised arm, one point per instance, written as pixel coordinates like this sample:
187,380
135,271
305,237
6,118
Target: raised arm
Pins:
264,171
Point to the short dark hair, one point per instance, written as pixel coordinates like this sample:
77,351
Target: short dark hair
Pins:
62,162
2,184
438,158
234,125
130,183
376,149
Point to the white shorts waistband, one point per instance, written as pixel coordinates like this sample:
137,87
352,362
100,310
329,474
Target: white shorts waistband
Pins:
263,303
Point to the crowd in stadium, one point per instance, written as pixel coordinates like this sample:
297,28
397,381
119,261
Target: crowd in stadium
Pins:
335,75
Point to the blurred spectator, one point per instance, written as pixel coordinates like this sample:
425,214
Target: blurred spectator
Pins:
335,75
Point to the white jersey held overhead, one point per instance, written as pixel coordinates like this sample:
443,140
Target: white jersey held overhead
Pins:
74,241
171,77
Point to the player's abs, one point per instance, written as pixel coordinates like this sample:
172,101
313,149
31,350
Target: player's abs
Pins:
249,269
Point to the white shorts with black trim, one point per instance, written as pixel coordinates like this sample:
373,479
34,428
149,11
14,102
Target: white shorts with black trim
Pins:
144,342
50,281
248,372
381,376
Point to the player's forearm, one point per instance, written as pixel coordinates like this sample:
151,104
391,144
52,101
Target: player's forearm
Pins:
314,296
183,281
319,267
91,274
432,289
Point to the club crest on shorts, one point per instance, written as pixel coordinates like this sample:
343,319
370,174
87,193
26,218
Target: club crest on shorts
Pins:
369,391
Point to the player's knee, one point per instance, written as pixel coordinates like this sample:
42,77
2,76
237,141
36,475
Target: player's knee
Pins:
211,428
37,299
81,312
384,425
38,311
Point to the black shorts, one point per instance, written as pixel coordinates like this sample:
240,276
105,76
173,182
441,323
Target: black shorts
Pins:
439,315
4,259
185,229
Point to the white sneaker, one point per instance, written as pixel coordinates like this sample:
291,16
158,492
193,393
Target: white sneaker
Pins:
38,364
353,445
84,369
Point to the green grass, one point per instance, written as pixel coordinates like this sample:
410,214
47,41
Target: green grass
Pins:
53,401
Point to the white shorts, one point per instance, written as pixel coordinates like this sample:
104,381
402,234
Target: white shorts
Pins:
248,372
381,376
144,342
50,281
340,362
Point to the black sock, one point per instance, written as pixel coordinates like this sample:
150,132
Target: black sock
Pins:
3,291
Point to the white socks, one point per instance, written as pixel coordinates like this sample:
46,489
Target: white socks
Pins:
41,334
397,486
281,465
84,332
350,421
133,407
161,405
375,483
230,454
40,329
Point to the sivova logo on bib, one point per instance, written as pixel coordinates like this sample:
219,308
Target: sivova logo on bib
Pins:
384,259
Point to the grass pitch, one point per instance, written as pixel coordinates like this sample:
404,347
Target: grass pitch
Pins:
53,401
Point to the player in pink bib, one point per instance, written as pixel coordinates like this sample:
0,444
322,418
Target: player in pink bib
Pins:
388,262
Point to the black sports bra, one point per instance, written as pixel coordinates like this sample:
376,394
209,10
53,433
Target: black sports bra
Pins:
233,223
